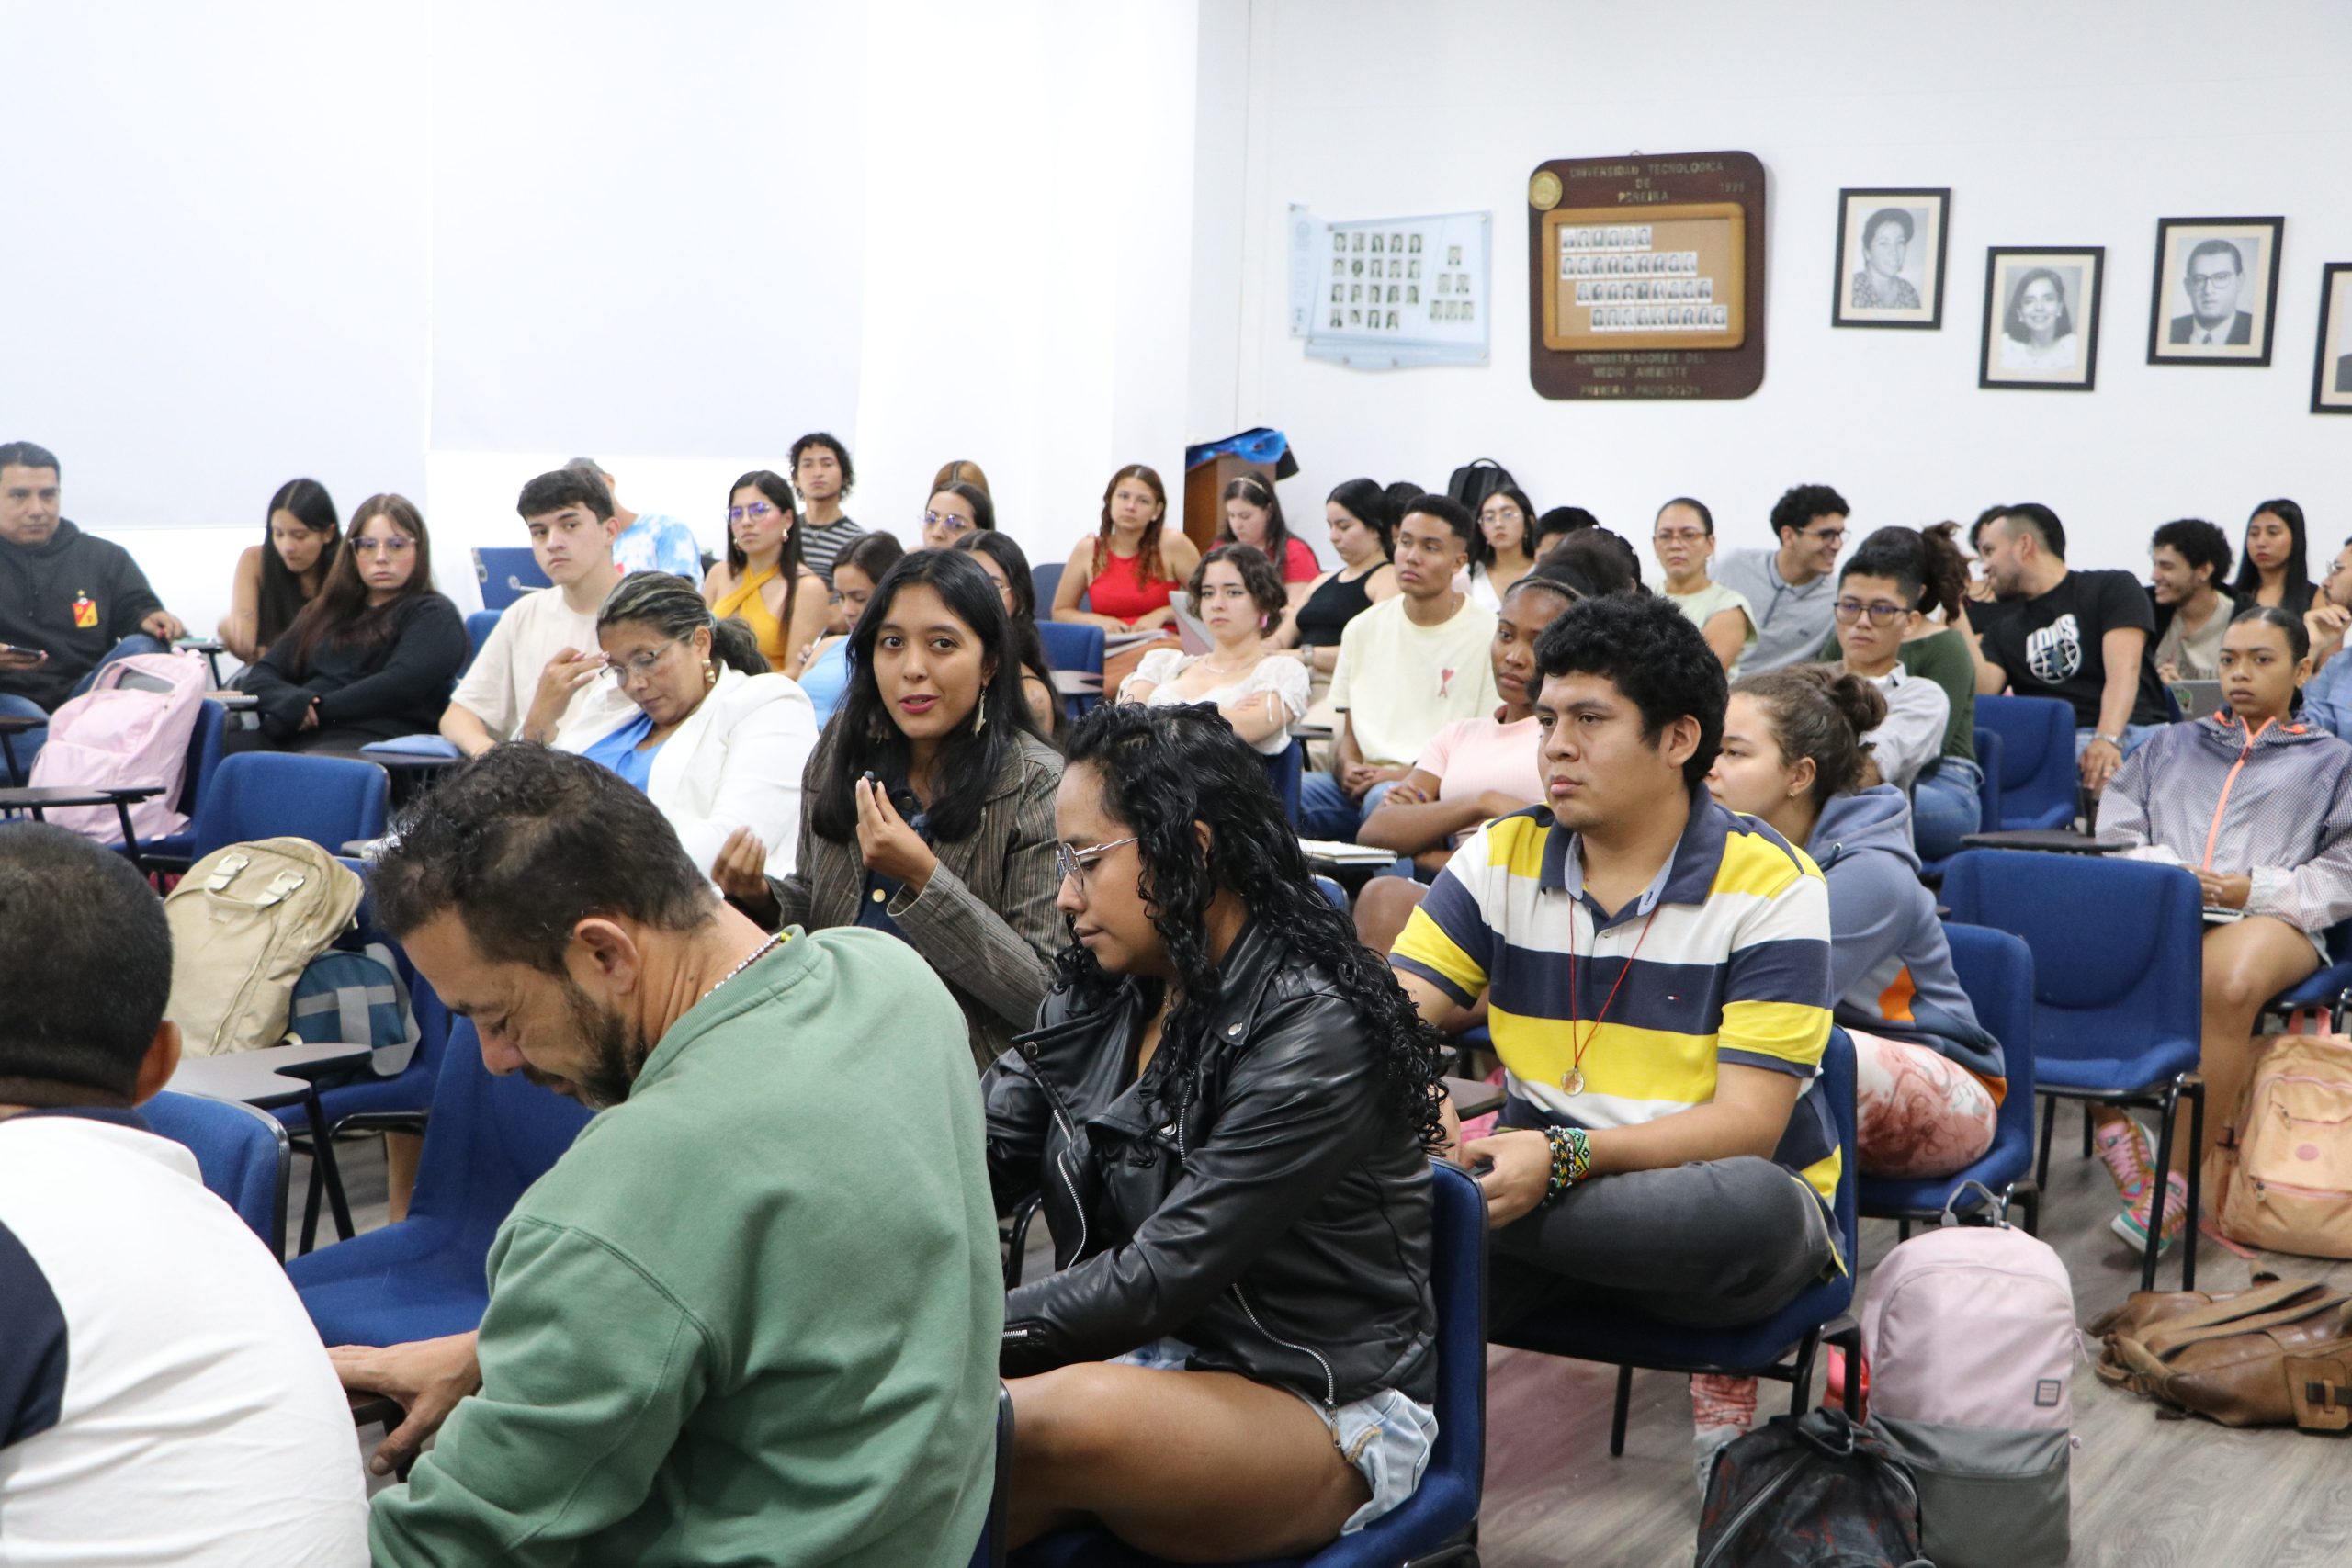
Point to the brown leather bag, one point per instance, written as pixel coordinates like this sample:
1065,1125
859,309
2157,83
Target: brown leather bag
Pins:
2277,1355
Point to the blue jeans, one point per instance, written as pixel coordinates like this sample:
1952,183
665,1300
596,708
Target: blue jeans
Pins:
1326,812
28,745
1944,806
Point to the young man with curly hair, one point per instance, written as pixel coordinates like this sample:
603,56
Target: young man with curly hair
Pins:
1790,590
1657,969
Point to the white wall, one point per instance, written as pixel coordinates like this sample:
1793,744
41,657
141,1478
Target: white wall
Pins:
437,247
2070,124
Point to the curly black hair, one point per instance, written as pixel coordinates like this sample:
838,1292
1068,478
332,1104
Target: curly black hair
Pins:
1166,769
1652,651
1800,504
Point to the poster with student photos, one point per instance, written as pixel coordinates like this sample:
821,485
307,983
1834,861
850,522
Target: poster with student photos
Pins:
1392,293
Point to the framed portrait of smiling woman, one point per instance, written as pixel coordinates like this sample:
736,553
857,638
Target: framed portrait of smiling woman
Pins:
2041,306
1890,268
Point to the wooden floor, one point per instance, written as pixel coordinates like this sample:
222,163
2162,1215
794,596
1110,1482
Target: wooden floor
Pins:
2148,1493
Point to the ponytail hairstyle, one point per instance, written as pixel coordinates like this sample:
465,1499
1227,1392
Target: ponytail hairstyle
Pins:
1924,562
1822,712
778,491
673,607
1258,490
1373,506
1150,567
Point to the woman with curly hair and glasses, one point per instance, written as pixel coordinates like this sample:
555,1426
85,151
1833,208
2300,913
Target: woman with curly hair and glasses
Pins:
1228,1111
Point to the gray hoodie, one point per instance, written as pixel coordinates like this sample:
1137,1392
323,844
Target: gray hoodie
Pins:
1889,965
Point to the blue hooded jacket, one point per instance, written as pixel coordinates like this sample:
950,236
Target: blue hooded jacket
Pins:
1890,967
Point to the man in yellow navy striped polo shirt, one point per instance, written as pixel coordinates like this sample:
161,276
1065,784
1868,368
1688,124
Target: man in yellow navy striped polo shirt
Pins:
1656,970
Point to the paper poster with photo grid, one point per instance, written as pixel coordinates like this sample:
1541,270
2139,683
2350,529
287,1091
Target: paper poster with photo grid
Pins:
1385,294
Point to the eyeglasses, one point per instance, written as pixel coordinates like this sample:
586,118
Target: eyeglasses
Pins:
397,545
642,664
1680,535
947,521
2205,282
1826,536
758,512
1071,864
1852,609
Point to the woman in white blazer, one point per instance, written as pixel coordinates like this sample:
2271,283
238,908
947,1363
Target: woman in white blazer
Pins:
717,742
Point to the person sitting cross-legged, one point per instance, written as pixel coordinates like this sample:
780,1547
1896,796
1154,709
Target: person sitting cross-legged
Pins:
1226,1111
1658,969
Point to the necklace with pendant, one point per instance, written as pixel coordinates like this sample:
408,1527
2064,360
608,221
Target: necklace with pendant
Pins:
1571,1081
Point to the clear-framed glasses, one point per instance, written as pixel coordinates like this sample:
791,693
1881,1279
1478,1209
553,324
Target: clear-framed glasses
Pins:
1850,609
640,664
947,522
1680,535
397,546
1070,863
758,512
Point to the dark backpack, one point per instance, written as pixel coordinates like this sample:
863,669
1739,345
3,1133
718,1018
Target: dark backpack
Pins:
1475,480
1811,1490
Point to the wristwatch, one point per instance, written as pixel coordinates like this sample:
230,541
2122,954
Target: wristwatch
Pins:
2114,740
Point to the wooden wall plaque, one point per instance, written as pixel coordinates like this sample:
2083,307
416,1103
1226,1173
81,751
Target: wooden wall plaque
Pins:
1645,276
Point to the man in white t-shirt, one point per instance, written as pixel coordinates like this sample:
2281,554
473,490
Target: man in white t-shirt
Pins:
542,669
1408,667
163,1399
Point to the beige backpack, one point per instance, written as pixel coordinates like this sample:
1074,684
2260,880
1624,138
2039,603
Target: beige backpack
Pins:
2282,1176
245,920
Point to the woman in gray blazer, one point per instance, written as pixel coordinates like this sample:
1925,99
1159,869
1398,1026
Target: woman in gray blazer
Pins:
927,806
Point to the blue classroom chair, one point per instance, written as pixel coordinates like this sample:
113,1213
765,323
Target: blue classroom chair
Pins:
2040,779
478,626
2117,988
1069,646
1997,971
2329,990
275,794
1286,773
1596,1333
1047,579
1439,1522
488,1138
204,747
242,1153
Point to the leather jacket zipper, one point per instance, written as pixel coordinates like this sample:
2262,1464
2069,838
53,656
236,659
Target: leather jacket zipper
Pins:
1331,1384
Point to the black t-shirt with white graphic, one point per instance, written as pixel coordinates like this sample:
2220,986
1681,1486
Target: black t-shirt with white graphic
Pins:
2052,646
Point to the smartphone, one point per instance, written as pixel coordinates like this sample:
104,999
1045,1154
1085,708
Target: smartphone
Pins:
37,655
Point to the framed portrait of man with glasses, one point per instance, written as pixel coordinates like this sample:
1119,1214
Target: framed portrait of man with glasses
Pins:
2217,279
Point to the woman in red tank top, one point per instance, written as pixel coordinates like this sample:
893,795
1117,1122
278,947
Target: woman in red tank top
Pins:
1127,570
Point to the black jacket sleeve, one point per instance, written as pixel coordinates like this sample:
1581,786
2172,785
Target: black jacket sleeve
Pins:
428,650
279,698
132,601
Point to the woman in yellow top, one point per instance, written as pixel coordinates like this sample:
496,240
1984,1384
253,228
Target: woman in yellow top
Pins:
762,580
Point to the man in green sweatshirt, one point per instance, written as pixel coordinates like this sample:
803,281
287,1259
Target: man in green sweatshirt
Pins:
752,1315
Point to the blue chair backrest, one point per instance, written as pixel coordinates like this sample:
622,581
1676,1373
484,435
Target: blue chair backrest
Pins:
1286,772
204,745
1331,889
1997,971
241,1153
274,794
478,626
2039,776
1458,1269
1836,1085
1072,647
1991,754
1046,579
2118,946
488,1139
506,573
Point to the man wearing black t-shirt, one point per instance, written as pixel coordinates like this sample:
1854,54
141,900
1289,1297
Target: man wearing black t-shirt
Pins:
2081,636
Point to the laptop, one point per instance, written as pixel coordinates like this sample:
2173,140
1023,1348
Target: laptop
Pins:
2198,699
506,574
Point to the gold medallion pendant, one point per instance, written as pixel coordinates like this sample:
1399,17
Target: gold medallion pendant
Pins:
1574,1082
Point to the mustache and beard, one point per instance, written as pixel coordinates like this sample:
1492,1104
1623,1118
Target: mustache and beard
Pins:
613,1055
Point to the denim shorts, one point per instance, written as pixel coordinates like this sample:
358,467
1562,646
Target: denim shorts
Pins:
1386,1435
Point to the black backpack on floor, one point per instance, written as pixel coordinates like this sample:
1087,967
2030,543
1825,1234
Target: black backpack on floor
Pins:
1811,1490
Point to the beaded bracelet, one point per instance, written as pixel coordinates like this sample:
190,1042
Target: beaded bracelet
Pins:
1571,1159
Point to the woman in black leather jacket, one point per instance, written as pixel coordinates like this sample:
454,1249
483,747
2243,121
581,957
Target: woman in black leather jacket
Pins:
1227,1110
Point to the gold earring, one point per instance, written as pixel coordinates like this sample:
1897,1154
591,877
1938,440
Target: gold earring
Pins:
710,672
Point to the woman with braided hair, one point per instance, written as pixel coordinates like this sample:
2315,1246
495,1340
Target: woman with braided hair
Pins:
1228,1111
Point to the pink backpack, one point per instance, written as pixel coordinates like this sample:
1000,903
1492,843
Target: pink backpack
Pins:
1969,1334
131,727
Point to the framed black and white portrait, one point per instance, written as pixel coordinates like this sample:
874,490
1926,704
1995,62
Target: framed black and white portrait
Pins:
2332,376
1891,258
2042,307
2216,289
